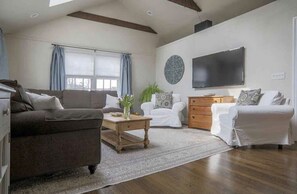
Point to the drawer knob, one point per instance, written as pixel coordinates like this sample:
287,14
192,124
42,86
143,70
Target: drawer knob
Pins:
6,112
193,117
193,108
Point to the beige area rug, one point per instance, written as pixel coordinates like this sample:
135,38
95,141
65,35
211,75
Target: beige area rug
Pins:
168,148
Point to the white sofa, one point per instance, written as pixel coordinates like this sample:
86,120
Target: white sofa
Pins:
163,116
266,123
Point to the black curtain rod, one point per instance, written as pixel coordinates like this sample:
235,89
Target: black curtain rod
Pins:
91,49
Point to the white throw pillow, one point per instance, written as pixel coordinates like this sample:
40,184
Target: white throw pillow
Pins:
112,102
44,102
271,98
58,103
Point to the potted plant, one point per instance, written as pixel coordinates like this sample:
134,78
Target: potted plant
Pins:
127,102
147,93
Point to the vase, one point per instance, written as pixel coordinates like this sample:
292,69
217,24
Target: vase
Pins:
127,112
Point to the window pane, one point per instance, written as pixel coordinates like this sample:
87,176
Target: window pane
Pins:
107,84
70,83
78,84
99,84
114,84
107,66
79,63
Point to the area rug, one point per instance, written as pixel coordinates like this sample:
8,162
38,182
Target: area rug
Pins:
168,148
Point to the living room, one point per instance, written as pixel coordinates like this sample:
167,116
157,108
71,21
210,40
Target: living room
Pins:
149,47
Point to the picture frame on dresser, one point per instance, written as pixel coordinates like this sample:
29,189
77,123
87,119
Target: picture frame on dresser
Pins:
5,93
199,115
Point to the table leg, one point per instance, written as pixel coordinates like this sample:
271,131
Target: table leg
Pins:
119,143
146,140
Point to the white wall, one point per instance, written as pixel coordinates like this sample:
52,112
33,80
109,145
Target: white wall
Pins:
266,33
30,50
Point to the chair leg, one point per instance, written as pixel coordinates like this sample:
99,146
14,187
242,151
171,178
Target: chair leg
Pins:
280,147
92,168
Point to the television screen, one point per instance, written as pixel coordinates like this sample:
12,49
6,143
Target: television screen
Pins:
220,69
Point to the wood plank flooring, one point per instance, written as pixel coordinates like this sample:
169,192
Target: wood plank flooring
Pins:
261,169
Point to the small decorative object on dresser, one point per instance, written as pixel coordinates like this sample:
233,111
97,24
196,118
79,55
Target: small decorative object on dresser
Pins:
4,138
199,115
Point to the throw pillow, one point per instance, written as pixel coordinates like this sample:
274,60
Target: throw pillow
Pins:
164,100
57,101
112,102
20,101
249,97
41,102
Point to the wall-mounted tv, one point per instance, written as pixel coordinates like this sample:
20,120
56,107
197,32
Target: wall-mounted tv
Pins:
219,69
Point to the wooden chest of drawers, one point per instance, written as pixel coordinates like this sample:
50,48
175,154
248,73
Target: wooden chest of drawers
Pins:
199,115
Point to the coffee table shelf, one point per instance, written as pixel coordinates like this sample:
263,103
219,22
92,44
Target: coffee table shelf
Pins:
117,135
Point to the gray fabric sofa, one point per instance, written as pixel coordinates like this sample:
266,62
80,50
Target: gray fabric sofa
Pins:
47,141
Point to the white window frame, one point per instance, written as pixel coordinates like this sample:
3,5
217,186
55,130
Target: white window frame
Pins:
93,77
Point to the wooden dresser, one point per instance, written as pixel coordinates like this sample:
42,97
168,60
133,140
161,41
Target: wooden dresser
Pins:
199,115
4,138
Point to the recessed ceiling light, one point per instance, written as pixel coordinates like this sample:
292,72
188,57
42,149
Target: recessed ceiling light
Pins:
34,15
58,2
149,13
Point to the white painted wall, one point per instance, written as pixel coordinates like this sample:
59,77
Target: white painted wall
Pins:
266,33
30,50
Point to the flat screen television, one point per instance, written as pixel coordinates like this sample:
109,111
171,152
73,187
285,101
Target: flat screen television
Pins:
219,69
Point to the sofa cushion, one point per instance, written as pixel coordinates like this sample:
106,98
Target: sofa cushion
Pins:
111,109
20,101
161,111
271,98
42,122
76,99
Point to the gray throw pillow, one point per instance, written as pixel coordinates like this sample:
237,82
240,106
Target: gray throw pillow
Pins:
164,100
249,97
45,102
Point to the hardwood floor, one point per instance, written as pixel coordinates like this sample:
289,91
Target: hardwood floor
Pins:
250,170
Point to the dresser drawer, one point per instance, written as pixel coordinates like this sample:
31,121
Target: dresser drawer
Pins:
200,110
200,118
200,121
204,101
200,125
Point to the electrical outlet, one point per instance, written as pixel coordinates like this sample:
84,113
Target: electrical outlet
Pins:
278,76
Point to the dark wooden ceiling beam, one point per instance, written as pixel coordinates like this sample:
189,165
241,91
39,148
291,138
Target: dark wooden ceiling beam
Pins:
187,3
112,21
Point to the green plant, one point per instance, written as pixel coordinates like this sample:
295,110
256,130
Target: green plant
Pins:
147,93
127,101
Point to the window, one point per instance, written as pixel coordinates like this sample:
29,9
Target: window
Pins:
91,70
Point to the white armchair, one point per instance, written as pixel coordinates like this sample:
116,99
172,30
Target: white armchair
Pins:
266,123
163,116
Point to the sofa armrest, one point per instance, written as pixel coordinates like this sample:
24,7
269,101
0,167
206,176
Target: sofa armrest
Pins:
178,107
220,108
147,107
260,113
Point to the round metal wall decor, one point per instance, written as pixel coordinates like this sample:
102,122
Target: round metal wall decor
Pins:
174,69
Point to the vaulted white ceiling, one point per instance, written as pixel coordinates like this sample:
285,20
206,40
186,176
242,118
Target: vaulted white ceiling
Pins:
170,20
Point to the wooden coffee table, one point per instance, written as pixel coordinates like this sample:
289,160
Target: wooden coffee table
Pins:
117,126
